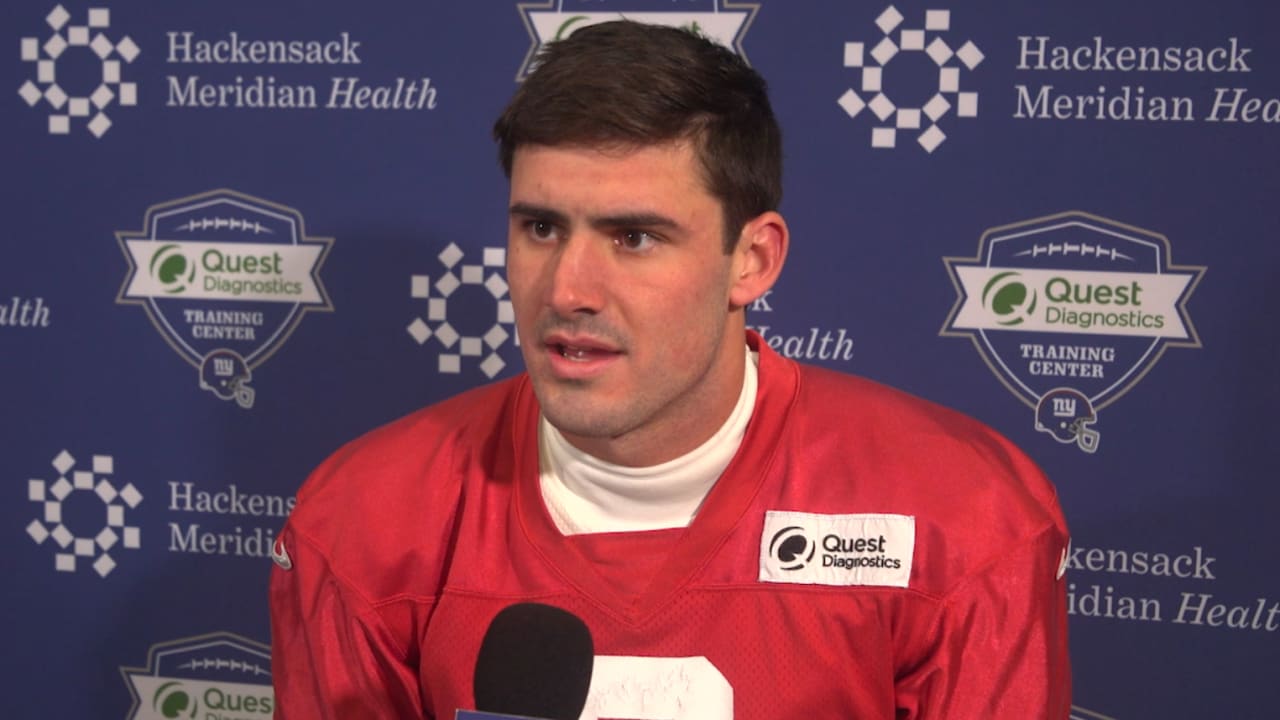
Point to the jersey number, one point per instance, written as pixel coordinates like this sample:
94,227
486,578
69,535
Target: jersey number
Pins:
625,687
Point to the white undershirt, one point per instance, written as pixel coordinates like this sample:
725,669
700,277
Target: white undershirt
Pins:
585,494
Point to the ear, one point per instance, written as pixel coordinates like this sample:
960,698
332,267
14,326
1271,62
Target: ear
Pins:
758,258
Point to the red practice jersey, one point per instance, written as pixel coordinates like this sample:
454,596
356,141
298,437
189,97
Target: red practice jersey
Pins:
866,555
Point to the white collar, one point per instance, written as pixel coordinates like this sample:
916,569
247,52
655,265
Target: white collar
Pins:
585,494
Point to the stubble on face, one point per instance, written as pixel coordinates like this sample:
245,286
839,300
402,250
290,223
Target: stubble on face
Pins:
669,366
573,406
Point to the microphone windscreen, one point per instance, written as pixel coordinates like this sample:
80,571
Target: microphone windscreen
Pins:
535,660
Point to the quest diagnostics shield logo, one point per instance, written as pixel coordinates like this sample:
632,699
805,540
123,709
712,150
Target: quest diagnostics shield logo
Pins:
220,675
1070,311
226,278
908,77
76,70
723,21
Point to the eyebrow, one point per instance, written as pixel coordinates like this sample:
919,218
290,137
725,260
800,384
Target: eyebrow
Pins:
639,219
536,211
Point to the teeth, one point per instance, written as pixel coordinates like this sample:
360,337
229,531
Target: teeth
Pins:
573,353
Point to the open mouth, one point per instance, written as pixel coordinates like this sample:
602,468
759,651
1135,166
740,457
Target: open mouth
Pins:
578,353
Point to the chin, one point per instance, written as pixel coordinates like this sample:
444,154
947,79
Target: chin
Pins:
583,423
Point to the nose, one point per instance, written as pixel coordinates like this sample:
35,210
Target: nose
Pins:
578,273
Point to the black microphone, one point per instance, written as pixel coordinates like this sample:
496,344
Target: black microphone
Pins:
535,661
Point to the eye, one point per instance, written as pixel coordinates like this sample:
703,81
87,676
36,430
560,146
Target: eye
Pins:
542,230
636,240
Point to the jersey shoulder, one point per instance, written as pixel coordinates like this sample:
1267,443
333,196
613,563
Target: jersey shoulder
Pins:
394,492
902,454
910,433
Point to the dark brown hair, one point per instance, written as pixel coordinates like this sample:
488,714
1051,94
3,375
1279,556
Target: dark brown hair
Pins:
627,84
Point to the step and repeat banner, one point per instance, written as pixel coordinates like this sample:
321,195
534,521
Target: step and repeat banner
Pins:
242,233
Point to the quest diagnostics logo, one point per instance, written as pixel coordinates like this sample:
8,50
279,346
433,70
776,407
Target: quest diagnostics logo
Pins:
819,549
81,514
468,313
225,278
76,71
219,676
909,78
722,21
173,700
791,548
1070,311
172,270
1009,299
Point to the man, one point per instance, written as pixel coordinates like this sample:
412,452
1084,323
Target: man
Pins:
744,537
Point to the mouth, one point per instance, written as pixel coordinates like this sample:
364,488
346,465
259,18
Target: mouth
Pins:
579,353
579,357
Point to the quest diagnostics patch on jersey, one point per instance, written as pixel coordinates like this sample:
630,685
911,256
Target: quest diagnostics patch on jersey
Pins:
857,549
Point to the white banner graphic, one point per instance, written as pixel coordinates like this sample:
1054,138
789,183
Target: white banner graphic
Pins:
722,27
1072,301
261,272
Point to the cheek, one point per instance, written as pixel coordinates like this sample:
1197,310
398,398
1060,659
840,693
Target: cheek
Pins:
688,318
522,277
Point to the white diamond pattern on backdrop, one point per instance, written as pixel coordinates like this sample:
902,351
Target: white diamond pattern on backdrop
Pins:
92,485
66,41
873,83
443,298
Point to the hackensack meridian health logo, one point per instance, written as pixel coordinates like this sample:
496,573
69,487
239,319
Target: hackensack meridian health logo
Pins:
219,676
76,95
94,497
723,21
1070,311
885,88
226,278
479,321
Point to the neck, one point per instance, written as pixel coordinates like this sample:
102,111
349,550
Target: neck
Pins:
584,494
676,431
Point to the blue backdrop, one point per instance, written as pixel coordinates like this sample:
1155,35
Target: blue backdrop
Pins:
242,233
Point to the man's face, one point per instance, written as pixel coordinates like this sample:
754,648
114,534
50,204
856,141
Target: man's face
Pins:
621,290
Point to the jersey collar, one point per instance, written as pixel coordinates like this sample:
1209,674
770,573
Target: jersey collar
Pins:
722,511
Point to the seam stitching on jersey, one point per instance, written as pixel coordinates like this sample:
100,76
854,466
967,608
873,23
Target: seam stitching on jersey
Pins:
764,471
982,568
371,609
943,601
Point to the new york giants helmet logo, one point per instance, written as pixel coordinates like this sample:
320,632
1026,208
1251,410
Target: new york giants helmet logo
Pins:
226,374
1066,414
